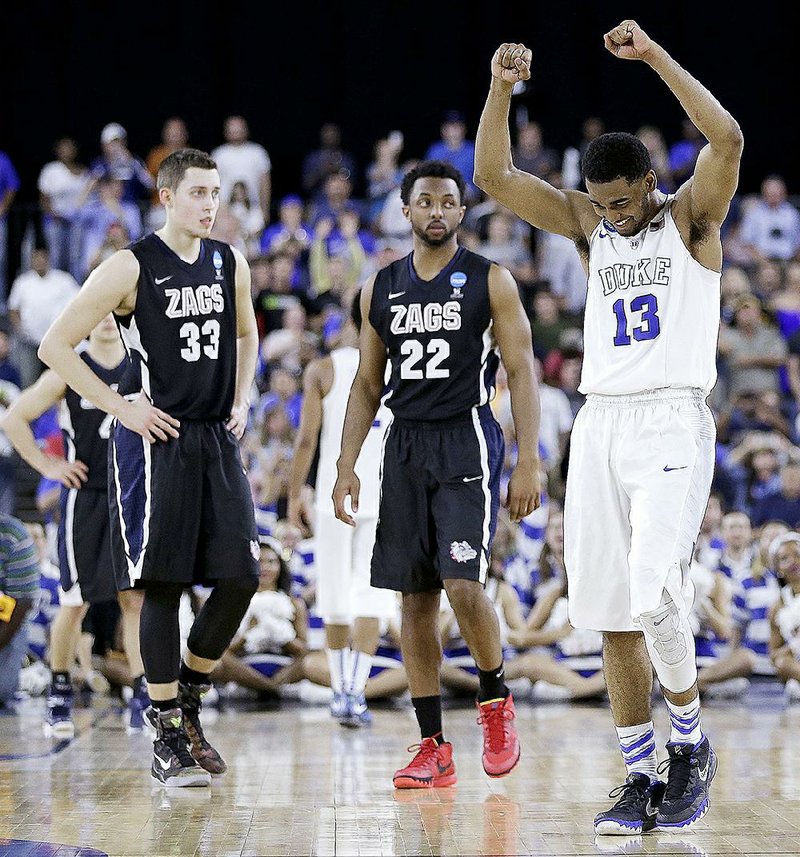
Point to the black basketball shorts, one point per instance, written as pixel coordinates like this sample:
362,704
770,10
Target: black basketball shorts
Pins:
84,546
181,510
440,492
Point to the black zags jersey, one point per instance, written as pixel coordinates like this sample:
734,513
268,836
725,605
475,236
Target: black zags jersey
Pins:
182,335
438,337
86,428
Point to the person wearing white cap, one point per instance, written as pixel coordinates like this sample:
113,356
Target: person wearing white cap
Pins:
117,162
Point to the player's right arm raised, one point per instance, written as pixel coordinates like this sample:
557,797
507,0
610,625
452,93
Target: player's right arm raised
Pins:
110,287
362,405
528,196
16,424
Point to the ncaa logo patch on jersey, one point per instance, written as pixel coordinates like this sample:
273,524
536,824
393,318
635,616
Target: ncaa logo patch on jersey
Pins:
217,259
458,279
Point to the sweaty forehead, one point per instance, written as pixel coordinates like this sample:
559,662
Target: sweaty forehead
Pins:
435,187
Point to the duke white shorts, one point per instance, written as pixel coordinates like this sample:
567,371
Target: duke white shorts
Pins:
640,471
342,556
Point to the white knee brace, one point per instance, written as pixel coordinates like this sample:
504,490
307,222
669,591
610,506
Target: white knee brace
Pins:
670,644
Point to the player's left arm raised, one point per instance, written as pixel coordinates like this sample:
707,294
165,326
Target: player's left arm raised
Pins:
246,347
513,334
704,199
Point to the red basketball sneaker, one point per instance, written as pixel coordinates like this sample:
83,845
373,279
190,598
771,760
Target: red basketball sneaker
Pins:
500,741
431,768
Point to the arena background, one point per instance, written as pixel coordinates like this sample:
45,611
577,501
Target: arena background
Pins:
69,68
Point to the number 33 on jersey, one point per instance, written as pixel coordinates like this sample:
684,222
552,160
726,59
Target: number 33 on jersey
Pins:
181,335
652,312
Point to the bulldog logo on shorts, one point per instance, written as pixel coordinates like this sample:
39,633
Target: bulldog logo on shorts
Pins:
462,551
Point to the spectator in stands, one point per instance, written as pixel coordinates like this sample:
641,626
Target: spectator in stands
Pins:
501,247
736,560
683,154
783,504
9,392
240,159
454,147
278,294
9,185
384,173
531,155
767,278
734,283
770,228
117,162
654,142
335,198
548,323
784,617
275,624
19,588
9,370
228,228
710,613
327,160
753,349
117,238
99,213
62,188
174,136
251,220
785,302
289,232
751,411
754,466
753,597
555,422
293,345
340,240
709,545
37,297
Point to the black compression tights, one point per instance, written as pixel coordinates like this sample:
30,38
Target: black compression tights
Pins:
211,633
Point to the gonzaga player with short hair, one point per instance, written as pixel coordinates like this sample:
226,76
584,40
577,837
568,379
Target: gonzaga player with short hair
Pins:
642,451
180,504
439,317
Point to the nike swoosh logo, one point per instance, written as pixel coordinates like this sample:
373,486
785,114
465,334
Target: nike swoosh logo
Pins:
668,469
660,621
392,295
650,810
163,280
471,478
164,765
703,772
442,768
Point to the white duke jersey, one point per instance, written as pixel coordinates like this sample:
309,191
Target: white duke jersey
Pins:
652,312
368,465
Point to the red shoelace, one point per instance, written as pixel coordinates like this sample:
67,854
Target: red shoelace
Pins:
496,721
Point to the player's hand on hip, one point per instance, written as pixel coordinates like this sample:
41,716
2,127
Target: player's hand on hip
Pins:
347,485
71,474
153,424
237,422
523,492
628,41
512,62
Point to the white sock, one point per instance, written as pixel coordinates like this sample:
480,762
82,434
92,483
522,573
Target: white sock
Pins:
684,722
339,666
638,747
361,664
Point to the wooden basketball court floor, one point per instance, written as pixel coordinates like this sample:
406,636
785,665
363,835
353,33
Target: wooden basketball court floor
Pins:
300,784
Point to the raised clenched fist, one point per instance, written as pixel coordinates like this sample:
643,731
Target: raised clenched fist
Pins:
628,41
512,62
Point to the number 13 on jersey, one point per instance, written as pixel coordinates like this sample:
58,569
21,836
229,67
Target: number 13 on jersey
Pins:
642,321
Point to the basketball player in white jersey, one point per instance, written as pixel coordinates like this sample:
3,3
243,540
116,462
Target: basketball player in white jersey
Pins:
351,608
642,451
